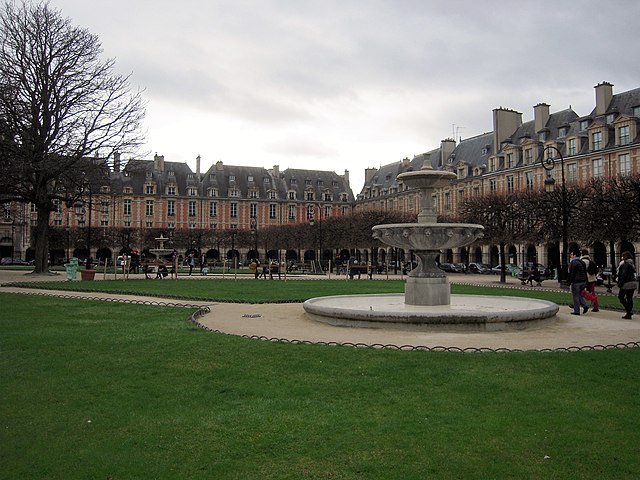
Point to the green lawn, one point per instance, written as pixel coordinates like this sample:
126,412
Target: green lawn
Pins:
261,291
119,391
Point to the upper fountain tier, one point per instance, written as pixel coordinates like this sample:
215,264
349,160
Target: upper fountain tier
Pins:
427,180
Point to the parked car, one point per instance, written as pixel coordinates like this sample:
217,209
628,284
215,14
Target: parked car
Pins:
452,267
475,267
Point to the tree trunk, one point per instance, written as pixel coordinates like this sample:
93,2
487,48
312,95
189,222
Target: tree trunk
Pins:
41,261
503,262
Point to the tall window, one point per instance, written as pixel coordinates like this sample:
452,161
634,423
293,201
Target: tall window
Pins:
596,168
528,156
171,190
510,185
624,135
272,210
126,207
309,195
596,140
529,180
149,189
213,209
171,208
327,211
447,201
104,207
253,210
192,208
291,212
310,212
192,191
572,147
492,185
148,208
624,164
572,172
233,209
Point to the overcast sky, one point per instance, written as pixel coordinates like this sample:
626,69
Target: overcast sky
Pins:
345,84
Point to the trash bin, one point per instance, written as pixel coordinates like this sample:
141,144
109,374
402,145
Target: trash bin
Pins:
72,268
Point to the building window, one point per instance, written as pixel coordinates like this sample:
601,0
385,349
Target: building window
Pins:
309,196
149,189
233,209
127,190
572,172
327,211
126,207
624,164
292,195
292,212
584,124
253,194
493,188
447,201
596,168
192,191
623,135
213,209
171,190
253,210
272,210
148,210
232,178
171,208
529,180
572,149
562,131
327,197
192,208
272,195
344,197
249,178
213,192
636,111
610,117
510,185
596,140
233,193
310,212
104,207
528,156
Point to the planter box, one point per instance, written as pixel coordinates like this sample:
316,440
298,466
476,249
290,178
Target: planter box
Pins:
87,274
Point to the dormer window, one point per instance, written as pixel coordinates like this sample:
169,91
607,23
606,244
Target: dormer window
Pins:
232,178
149,189
213,192
234,193
562,131
307,183
309,196
250,178
171,190
610,118
171,173
292,195
192,191
584,124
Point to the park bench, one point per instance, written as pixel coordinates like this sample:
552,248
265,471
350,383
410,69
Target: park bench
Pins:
359,270
525,278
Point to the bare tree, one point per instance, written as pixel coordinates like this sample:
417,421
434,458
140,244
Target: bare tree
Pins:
60,104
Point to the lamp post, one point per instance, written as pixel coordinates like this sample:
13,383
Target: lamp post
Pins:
13,243
233,247
312,222
548,162
253,223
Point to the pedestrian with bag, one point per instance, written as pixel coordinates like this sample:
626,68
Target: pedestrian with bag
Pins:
592,270
627,283
578,282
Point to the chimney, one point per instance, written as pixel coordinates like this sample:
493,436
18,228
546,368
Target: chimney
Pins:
158,163
116,161
505,123
604,94
406,162
219,166
276,171
198,166
447,146
369,173
541,116
346,177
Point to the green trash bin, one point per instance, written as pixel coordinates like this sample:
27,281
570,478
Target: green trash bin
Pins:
72,268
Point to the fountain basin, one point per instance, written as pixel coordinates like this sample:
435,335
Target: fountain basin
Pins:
480,313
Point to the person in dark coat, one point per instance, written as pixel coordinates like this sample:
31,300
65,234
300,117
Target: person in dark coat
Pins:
578,282
627,283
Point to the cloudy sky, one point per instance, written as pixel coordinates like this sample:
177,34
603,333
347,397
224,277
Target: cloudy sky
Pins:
347,84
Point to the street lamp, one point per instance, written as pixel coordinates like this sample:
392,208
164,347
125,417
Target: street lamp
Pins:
548,163
312,222
13,243
253,223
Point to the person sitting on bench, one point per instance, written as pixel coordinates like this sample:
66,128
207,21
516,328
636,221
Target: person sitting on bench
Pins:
162,271
534,276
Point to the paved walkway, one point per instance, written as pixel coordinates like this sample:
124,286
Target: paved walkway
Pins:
288,321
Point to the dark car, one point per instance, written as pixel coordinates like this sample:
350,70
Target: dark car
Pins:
475,267
452,267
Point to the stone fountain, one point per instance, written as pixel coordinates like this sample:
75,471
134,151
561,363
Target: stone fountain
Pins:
161,251
427,302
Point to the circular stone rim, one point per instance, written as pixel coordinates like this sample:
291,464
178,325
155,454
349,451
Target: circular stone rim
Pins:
471,311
